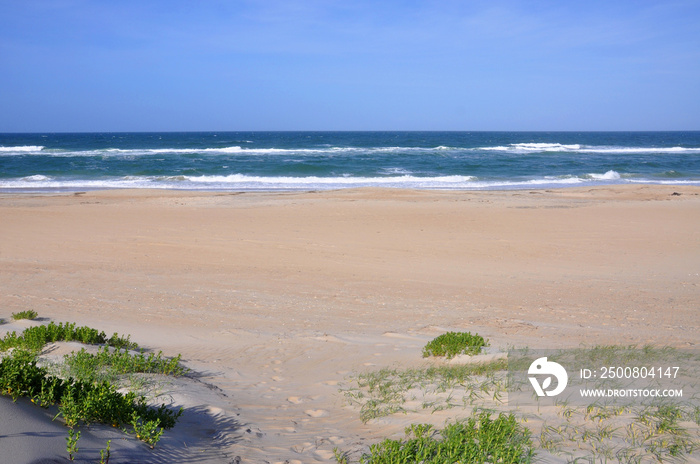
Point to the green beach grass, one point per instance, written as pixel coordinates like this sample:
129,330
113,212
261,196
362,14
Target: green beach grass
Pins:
85,387
28,314
636,433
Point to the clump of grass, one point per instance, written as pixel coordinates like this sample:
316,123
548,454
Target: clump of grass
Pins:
386,391
451,344
108,365
660,432
28,314
35,338
479,439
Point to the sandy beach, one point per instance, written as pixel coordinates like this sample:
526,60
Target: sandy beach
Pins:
274,299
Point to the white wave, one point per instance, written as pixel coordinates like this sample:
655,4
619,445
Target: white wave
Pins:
545,146
240,181
22,149
558,147
343,180
523,148
155,151
394,171
610,175
634,150
246,182
36,178
497,148
236,150
533,147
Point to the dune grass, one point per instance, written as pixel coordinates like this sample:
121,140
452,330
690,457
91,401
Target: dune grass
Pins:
390,390
655,431
108,365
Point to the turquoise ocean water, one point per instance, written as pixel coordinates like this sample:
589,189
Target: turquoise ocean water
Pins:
240,161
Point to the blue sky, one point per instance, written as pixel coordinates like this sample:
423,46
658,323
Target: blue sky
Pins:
140,65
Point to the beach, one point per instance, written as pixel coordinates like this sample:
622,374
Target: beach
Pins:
275,298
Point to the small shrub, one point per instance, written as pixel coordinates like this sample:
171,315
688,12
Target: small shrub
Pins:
20,376
451,344
105,453
28,314
148,431
69,407
72,444
87,397
77,401
82,366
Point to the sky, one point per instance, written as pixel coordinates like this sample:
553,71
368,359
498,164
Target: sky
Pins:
181,65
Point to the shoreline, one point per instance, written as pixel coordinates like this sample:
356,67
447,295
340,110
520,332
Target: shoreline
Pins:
276,298
499,188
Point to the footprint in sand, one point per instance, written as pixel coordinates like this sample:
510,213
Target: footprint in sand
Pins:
301,448
330,382
323,454
277,378
296,400
316,412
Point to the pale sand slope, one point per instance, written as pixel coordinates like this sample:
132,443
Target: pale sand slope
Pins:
276,297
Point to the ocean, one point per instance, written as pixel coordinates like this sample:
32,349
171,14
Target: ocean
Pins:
272,161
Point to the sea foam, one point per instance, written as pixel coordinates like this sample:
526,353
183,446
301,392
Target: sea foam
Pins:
248,182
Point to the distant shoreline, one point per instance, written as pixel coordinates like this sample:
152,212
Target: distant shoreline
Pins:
78,190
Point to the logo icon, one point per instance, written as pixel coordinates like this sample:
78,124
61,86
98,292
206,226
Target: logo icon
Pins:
551,369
